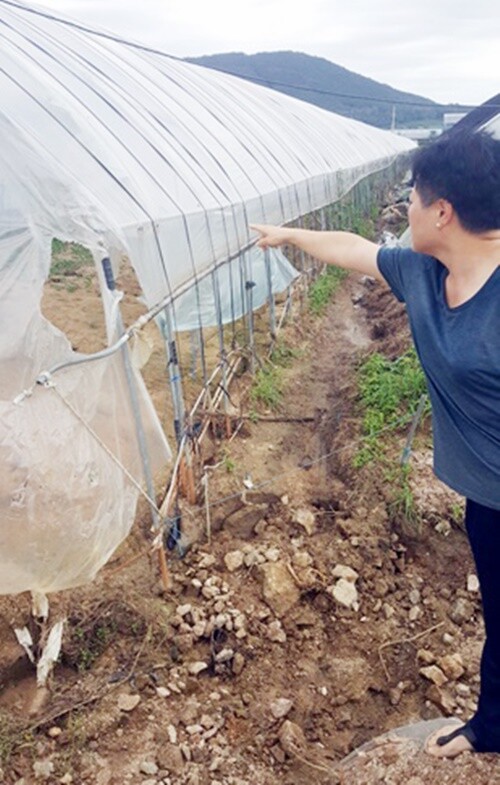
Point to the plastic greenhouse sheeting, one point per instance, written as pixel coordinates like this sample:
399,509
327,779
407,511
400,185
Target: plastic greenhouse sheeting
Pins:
200,306
124,150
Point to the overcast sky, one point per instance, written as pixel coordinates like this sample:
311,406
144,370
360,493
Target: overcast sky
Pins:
445,50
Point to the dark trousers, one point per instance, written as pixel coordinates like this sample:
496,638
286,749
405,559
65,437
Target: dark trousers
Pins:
483,528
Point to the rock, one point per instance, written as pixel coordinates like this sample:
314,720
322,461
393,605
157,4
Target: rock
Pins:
251,558
426,656
238,663
241,523
280,707
434,674
388,610
224,655
194,668
302,559
199,628
441,698
42,769
452,665
234,560
172,733
272,554
472,583
279,589
414,596
349,677
344,592
443,528
415,613
462,611
345,572
206,560
306,519
148,767
184,642
128,702
170,757
276,633
278,753
162,692
292,739
194,730
54,732
380,587
183,610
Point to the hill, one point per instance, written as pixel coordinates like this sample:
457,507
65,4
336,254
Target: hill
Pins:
330,86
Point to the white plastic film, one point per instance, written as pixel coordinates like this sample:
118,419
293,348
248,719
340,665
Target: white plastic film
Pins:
126,151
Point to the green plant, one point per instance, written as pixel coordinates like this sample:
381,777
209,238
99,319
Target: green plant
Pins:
267,387
284,355
227,461
323,288
388,390
68,259
402,506
457,514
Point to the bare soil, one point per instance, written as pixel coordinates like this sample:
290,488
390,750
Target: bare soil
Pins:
255,668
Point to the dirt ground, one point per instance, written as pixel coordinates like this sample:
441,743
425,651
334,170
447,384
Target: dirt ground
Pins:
311,621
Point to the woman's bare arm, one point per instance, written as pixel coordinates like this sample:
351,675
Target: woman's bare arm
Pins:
343,249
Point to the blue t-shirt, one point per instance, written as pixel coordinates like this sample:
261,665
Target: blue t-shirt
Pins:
459,349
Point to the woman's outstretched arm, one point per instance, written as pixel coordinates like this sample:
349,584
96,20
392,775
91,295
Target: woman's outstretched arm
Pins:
343,249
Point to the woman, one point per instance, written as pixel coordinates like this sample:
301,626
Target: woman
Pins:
450,282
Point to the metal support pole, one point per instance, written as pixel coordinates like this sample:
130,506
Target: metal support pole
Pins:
222,350
134,399
174,373
249,286
270,295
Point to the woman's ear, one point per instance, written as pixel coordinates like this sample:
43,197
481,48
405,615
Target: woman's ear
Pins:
444,212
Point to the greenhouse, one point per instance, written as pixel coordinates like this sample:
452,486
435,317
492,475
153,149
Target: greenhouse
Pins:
134,154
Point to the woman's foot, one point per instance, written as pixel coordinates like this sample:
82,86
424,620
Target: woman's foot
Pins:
450,741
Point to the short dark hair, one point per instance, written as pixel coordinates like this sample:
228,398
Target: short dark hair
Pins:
463,168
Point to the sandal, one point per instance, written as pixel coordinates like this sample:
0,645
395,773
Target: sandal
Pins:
437,740
462,730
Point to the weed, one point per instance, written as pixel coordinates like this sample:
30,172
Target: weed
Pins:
253,415
228,462
402,506
323,288
91,641
388,390
284,355
68,259
267,387
457,514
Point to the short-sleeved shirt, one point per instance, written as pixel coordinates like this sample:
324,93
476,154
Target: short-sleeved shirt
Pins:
459,349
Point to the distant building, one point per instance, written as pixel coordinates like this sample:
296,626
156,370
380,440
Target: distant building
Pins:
450,118
418,134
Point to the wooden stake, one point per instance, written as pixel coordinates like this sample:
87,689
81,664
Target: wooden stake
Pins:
166,580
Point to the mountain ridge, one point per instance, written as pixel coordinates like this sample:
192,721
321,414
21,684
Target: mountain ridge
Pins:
330,86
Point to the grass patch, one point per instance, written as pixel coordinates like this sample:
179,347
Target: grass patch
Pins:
324,287
402,507
283,355
389,389
267,388
69,259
